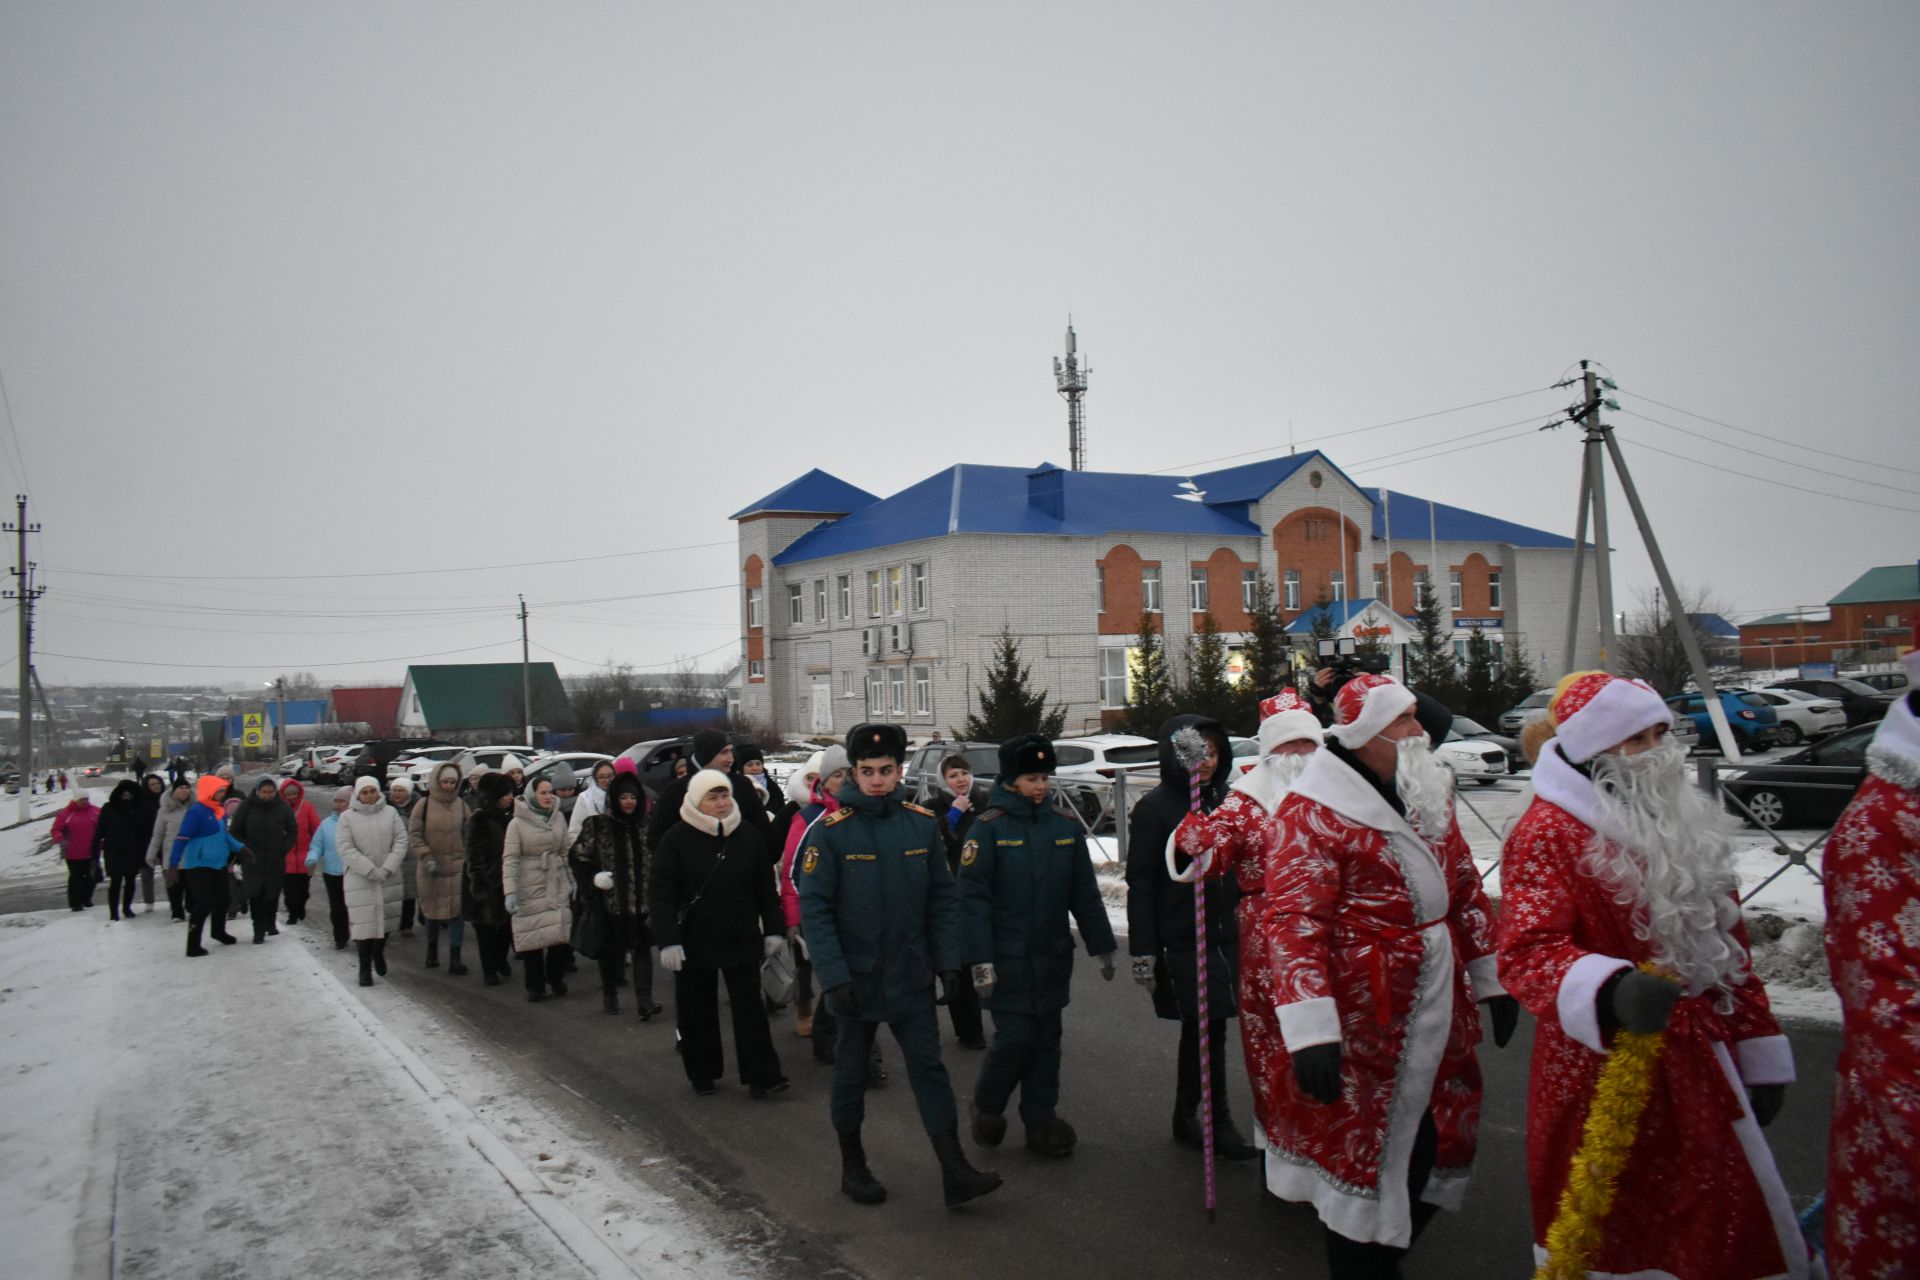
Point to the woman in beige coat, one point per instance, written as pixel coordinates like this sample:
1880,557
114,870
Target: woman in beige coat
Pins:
438,833
372,841
538,884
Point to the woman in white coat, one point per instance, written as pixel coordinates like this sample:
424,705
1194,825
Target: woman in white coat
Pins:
539,885
372,840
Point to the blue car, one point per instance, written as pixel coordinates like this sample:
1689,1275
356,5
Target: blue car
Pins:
1751,717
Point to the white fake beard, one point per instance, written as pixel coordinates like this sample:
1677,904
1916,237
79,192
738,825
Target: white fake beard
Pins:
1285,770
1425,787
1668,855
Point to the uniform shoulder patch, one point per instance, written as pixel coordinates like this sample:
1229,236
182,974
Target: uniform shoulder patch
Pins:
838,815
969,853
809,860
989,815
911,807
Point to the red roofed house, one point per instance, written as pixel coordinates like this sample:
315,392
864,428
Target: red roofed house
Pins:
377,708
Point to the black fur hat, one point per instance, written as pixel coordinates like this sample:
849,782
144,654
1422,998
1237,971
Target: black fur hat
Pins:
1028,753
868,741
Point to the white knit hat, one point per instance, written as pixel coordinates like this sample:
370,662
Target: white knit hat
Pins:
1285,718
1365,705
1593,711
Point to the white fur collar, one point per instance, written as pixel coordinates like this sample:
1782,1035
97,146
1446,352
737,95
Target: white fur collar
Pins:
1565,787
1895,753
1260,785
1330,781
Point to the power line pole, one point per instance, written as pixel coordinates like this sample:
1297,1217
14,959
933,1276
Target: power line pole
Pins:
26,594
1596,441
526,677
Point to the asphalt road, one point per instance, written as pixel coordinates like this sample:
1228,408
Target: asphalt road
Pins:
1128,1202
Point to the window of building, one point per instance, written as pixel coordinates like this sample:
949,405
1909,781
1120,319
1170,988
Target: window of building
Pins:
1150,588
757,669
1460,652
1113,678
796,604
896,590
1100,586
1379,584
1422,588
876,693
753,608
897,692
1249,589
1337,585
846,685
1292,585
819,599
844,586
923,691
1456,598
867,646
1316,530
1197,588
873,593
920,587
1493,590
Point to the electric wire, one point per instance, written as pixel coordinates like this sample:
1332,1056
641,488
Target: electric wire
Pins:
1747,475
280,663
397,573
1785,462
13,434
1879,465
641,666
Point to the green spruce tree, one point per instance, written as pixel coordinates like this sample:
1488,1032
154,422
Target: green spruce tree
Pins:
1008,704
1269,658
1431,667
1480,689
1150,699
1209,692
1518,678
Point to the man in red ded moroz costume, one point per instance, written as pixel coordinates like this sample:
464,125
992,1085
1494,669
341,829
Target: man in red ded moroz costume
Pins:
1241,838
1872,870
1381,941
1619,912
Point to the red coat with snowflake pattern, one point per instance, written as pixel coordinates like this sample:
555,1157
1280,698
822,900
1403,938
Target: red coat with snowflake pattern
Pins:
1700,1198
1372,931
1872,870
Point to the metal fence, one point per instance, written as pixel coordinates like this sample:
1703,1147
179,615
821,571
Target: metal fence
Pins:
1844,779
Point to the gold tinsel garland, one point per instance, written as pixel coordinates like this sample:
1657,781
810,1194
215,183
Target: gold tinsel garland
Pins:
1606,1140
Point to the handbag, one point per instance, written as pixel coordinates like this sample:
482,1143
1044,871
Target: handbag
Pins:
778,976
590,927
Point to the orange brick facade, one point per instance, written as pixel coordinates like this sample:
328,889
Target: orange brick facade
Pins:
754,574
1311,541
1847,628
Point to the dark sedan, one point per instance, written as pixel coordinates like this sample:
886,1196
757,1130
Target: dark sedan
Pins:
1864,704
1806,788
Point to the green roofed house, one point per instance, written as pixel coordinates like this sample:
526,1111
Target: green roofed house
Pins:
481,698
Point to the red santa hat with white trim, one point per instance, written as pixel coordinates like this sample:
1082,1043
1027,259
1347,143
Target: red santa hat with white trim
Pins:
1593,711
1285,718
1365,705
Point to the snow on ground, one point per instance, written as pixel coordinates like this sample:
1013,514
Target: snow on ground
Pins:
25,849
247,1114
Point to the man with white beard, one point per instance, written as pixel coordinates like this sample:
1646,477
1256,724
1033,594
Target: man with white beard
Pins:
1380,942
1241,838
1620,914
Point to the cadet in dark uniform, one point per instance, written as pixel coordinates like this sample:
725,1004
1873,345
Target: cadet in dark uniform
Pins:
882,918
1023,868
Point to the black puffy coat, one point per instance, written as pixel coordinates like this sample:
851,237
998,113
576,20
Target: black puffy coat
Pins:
617,844
270,831
120,839
746,797
1160,912
483,897
714,895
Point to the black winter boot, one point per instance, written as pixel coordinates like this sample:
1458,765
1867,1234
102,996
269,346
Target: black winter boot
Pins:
988,1129
857,1182
433,949
609,1000
379,946
1052,1137
366,964
959,1180
454,968
1229,1142
1186,1127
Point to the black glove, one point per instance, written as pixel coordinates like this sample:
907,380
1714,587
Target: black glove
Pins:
1766,1099
950,980
844,1001
1643,1002
1317,1068
1505,1012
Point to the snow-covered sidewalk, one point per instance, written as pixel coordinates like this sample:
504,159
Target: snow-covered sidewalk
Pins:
247,1114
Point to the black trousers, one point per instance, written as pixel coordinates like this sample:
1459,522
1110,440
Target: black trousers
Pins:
492,940
696,1006
79,884
146,883
963,1010
919,1036
406,914
337,908
177,895
1026,1056
628,934
120,893
545,968
296,891
1351,1260
207,900
1187,1087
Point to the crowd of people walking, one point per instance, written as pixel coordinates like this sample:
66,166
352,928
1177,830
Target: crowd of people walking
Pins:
1346,930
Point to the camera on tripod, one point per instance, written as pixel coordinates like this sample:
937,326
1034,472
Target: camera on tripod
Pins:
1343,656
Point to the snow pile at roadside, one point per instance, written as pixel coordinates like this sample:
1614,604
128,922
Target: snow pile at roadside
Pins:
247,1114
26,850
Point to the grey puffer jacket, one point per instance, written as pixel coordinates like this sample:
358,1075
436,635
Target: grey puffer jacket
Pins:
372,839
534,873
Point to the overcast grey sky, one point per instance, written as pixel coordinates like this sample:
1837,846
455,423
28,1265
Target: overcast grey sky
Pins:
353,289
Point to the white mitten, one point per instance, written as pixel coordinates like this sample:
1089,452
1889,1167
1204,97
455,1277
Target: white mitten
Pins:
671,958
603,880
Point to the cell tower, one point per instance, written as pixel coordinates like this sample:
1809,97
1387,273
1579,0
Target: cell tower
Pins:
1070,376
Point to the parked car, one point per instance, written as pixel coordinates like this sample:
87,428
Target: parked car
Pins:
287,766
1788,793
1514,718
1101,755
1246,754
416,762
1864,703
1473,731
1893,682
581,762
340,764
654,758
1467,758
1804,716
1755,727
492,756
922,773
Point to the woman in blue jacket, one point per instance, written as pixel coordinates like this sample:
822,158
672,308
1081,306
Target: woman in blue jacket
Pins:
324,853
202,852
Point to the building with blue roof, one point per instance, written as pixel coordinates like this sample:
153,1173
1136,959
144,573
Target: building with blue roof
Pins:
856,607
